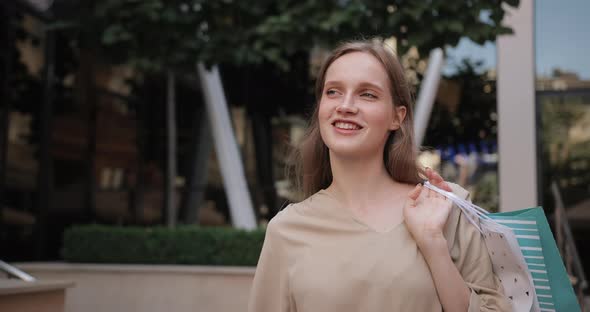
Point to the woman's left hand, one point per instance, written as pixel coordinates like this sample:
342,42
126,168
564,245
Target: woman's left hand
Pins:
425,214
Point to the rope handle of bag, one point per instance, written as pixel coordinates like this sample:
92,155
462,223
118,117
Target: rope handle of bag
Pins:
475,214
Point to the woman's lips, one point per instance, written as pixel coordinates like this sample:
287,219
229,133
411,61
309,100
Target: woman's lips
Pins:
346,127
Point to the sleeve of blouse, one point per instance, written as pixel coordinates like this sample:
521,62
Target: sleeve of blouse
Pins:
470,255
269,292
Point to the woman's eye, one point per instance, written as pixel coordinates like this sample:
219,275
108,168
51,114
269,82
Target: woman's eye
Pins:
330,92
369,95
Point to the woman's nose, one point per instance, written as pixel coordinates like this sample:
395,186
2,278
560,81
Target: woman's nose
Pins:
347,106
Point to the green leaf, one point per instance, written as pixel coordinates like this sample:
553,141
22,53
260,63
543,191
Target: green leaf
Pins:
455,26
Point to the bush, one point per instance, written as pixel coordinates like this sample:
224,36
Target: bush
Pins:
161,245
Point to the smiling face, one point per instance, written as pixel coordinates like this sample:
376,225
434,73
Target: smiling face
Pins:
356,111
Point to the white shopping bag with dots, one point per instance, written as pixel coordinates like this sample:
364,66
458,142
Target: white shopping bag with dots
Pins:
507,259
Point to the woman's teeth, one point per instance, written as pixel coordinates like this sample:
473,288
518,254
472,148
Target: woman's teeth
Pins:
346,125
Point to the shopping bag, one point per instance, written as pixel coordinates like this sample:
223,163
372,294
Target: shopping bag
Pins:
552,285
510,266
524,256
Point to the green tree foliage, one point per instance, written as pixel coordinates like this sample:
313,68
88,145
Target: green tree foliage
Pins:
156,34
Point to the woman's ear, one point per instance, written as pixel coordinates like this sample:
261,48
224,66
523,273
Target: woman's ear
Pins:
399,114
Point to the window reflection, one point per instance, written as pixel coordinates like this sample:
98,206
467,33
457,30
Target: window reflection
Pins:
563,100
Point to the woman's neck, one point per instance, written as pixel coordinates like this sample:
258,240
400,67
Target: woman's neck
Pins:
360,182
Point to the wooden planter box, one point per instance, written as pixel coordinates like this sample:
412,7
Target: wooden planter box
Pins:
146,288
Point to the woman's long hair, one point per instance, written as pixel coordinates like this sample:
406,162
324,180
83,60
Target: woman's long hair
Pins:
310,163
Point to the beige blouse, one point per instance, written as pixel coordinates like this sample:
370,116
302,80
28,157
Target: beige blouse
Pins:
317,257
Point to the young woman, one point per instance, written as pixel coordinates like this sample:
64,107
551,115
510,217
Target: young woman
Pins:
369,237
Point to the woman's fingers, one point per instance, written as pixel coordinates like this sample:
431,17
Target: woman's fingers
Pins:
435,177
413,195
437,180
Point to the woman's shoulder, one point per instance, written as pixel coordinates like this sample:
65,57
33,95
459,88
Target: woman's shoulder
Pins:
301,215
312,206
459,190
282,219
456,212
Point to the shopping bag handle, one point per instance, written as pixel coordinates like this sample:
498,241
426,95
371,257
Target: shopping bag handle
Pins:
471,211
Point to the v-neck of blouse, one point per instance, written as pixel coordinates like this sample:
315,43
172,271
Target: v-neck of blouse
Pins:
350,215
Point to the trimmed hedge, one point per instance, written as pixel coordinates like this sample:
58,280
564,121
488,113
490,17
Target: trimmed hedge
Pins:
161,245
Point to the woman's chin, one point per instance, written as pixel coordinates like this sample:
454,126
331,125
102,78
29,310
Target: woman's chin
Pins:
348,150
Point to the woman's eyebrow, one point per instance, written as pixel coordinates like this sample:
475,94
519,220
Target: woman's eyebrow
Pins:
332,82
362,85
372,86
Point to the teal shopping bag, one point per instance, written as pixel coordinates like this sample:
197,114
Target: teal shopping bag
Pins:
532,231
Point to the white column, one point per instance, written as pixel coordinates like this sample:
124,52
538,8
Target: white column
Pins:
428,90
226,148
516,111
